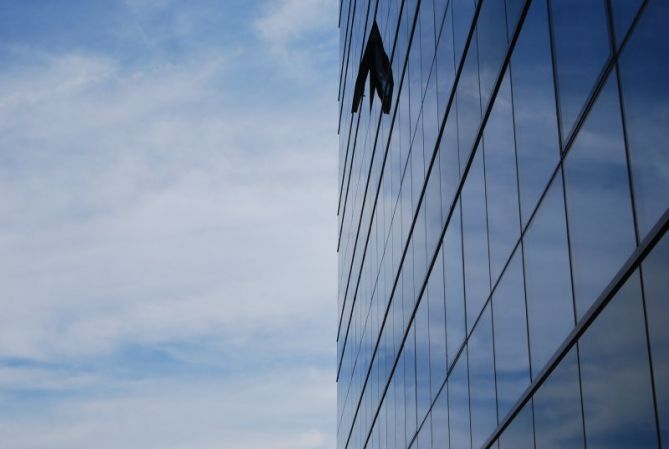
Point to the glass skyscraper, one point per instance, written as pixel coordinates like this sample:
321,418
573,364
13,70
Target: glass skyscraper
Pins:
503,269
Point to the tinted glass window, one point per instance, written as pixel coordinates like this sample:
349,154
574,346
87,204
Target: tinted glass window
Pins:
458,404
549,302
482,380
557,408
445,62
475,240
656,286
512,360
463,13
644,71
449,161
440,421
410,381
501,180
623,14
454,286
534,108
615,375
491,33
599,211
435,294
581,42
422,357
520,433
469,104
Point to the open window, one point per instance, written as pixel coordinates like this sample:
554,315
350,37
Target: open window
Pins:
374,62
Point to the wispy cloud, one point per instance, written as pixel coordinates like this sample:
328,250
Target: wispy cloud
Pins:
169,241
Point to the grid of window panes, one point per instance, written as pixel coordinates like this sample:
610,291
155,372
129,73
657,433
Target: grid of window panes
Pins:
524,161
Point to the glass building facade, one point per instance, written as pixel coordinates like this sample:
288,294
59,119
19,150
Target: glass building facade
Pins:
503,269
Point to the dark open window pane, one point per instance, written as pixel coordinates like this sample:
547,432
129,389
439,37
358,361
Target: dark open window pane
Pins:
520,433
475,240
557,408
501,180
615,375
482,380
599,211
454,286
580,33
549,302
512,362
656,285
458,405
644,71
534,108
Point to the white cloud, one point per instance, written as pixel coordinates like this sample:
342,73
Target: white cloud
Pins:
159,206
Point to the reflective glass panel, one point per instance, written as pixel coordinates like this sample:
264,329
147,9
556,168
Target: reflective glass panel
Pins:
623,14
534,108
615,375
482,397
475,240
520,433
644,71
501,180
435,294
458,405
491,33
558,421
512,361
549,302
454,286
580,36
599,210
469,104
656,285
440,421
422,357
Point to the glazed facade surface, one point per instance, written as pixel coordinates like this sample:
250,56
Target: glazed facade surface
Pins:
503,268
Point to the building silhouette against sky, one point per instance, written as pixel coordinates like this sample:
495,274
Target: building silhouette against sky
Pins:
503,269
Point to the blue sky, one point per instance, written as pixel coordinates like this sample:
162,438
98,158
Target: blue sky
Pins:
167,224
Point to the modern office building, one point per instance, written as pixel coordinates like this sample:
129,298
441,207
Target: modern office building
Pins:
504,184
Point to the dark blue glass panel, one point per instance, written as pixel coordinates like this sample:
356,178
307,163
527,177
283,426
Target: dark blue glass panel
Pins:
433,213
445,63
513,8
458,405
624,12
599,210
534,108
492,45
440,421
644,71
501,181
448,162
454,286
520,433
463,13
512,361
421,324
482,396
580,36
469,104
558,421
615,375
656,285
435,294
549,302
410,381
475,240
